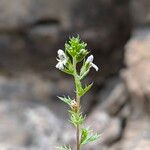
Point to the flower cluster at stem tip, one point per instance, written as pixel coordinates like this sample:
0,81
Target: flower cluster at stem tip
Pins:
73,49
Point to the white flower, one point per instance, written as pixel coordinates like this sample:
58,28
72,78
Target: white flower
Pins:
62,59
90,61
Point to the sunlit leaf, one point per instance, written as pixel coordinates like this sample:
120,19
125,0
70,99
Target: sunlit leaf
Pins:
66,100
88,136
76,118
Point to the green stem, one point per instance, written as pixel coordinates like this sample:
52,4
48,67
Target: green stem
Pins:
78,104
78,127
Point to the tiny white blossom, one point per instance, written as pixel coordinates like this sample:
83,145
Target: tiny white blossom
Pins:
90,61
62,59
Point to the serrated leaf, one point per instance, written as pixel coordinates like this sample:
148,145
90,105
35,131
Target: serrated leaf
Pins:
87,136
82,76
68,67
86,89
79,87
84,70
92,138
67,71
81,55
76,118
84,135
66,100
63,148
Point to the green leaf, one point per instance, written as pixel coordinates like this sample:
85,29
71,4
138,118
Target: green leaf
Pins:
81,91
76,118
69,67
84,135
63,148
92,138
83,75
87,136
66,100
84,70
81,55
66,70
79,87
86,89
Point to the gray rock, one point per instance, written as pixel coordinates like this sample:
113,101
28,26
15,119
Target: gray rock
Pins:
10,147
12,131
136,79
100,122
27,126
33,87
137,73
39,28
44,127
136,135
20,14
143,144
140,12
26,87
113,97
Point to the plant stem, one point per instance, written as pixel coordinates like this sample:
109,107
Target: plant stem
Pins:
78,138
78,104
78,127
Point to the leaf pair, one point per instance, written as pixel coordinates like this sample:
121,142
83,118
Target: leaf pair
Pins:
68,68
76,118
84,90
87,136
66,100
84,70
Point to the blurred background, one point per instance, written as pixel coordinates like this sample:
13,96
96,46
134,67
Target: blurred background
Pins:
118,106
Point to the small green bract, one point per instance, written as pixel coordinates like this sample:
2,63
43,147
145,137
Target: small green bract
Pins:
63,148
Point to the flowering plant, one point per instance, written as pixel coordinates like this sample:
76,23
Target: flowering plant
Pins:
75,52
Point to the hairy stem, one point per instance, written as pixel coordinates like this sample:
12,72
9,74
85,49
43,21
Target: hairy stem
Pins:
78,127
78,138
78,104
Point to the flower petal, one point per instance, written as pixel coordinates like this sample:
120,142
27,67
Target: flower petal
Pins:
94,66
62,59
60,52
60,66
90,59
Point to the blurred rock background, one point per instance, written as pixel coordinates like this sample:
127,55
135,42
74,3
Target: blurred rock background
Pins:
118,107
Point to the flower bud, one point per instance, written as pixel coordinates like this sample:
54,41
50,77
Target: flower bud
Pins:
90,59
74,105
60,52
